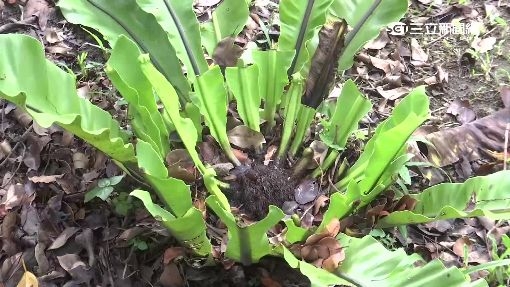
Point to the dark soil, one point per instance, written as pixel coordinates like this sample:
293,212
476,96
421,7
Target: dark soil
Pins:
258,186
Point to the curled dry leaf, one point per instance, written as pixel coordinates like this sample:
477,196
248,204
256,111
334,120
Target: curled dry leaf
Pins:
17,195
86,240
32,157
244,137
389,67
80,160
271,150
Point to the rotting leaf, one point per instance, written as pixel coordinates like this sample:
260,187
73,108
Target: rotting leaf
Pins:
244,137
324,64
472,140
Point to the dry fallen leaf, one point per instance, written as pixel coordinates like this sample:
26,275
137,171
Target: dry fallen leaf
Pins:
471,140
505,95
271,150
180,165
244,137
45,178
380,42
171,277
63,237
418,55
173,253
28,280
484,45
39,8
460,244
461,109
227,53
393,94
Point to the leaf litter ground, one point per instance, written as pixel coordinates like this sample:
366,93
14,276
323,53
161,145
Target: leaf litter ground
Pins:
46,172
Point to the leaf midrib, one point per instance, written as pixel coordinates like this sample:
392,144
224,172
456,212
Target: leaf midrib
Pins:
184,38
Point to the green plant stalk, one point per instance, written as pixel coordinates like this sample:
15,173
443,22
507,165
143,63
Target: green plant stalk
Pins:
217,129
294,95
217,31
272,79
271,104
242,81
326,164
305,118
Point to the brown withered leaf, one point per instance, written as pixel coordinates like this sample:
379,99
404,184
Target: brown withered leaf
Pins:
472,140
227,53
271,150
63,237
171,276
173,253
39,8
462,110
460,244
505,95
45,178
32,158
393,94
76,268
244,137
418,55
180,165
324,63
380,42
